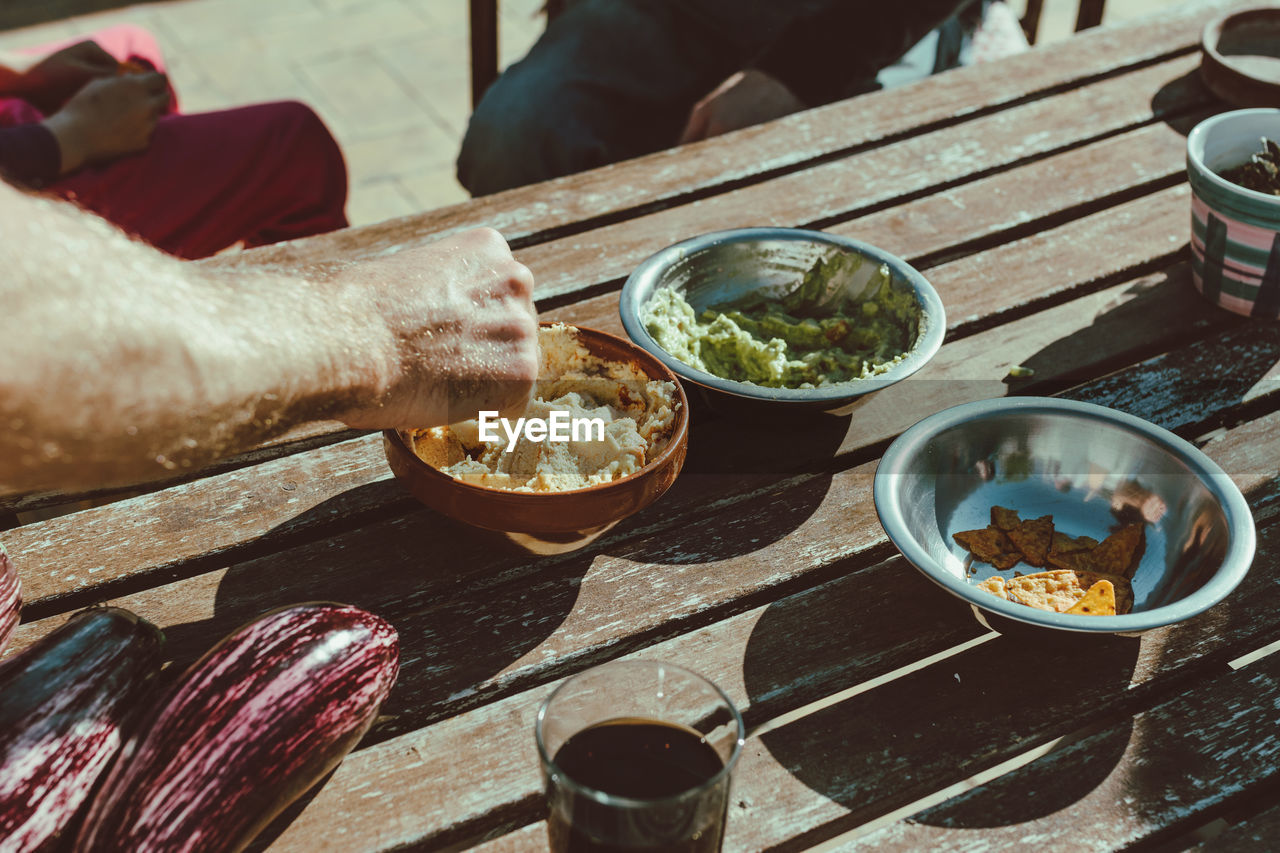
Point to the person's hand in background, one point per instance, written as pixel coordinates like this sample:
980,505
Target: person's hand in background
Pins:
109,118
747,98
49,82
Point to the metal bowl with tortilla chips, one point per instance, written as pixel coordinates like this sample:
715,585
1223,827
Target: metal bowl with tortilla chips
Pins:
1064,515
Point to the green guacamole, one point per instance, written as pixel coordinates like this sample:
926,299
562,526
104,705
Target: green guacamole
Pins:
794,342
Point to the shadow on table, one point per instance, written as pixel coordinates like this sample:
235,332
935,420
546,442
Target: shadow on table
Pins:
922,737
466,607
932,727
743,460
1190,386
470,607
1170,100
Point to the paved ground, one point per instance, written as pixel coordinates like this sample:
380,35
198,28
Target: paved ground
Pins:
390,77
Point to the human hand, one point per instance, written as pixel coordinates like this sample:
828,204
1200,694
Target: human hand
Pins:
52,80
461,332
108,118
747,98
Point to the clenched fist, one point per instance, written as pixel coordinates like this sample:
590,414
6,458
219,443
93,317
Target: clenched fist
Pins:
109,118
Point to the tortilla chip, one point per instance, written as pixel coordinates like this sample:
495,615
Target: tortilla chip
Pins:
1032,539
995,586
1004,518
1064,545
1120,552
1098,600
1059,590
1007,560
989,545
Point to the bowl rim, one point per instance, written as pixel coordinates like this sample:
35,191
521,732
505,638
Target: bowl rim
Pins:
1235,564
928,342
1221,67
679,433
1195,144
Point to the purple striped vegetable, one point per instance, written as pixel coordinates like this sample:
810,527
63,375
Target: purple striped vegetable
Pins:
245,731
10,598
66,705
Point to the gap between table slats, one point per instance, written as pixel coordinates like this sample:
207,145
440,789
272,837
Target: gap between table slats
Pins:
111,537
1185,757
473,637
788,653
869,182
1030,272
830,194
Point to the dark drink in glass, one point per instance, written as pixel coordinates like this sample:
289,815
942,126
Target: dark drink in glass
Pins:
637,756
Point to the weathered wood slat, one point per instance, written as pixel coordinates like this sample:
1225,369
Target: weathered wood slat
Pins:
1255,834
322,490
848,764
840,189
770,660
527,838
778,581
979,289
667,176
927,224
1007,279
511,621
1138,779
184,528
298,440
981,211
999,204
1190,386
585,260
502,766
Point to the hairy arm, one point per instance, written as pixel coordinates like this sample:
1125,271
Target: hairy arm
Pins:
119,364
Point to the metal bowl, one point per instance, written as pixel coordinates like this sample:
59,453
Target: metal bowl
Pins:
725,266
1088,466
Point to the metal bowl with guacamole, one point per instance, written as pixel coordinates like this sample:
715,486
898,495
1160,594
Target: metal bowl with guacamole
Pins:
783,315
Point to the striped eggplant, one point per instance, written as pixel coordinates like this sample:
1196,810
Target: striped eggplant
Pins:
245,731
10,597
66,705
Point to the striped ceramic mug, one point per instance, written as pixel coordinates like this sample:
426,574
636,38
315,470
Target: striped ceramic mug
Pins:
1235,241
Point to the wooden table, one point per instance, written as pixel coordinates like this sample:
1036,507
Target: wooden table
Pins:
1045,198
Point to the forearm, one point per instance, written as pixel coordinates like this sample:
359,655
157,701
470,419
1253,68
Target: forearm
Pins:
118,364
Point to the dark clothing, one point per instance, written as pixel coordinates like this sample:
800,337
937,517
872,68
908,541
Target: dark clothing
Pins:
833,52
614,79
29,155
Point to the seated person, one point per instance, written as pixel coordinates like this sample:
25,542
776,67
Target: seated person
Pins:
96,122
614,79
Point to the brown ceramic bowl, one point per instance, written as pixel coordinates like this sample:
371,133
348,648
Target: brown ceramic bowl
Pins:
1240,60
567,518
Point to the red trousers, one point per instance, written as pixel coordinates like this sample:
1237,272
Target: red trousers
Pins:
251,175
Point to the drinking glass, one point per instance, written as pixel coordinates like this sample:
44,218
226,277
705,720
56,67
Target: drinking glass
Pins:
637,755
